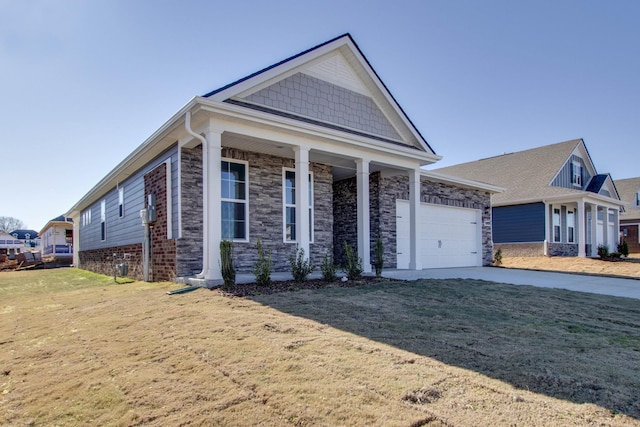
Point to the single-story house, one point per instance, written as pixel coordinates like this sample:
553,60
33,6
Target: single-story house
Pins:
56,238
629,191
554,203
310,152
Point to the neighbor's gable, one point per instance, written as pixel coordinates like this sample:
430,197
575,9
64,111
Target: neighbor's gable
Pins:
577,171
331,85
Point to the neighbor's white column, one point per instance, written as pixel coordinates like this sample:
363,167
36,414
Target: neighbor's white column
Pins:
212,226
582,228
415,258
547,228
616,225
364,232
302,199
594,230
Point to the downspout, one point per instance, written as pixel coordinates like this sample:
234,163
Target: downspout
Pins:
205,224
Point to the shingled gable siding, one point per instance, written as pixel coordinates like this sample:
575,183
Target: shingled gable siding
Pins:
383,193
317,99
189,245
163,250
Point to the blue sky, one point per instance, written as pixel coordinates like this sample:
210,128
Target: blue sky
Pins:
84,82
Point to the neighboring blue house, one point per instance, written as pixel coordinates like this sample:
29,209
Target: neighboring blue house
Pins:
29,238
554,203
311,152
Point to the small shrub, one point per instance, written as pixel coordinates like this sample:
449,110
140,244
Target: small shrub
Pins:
328,268
497,258
353,268
263,266
378,257
603,251
623,248
301,267
615,255
226,263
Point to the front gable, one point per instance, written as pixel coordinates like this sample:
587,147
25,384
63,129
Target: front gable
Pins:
577,171
331,85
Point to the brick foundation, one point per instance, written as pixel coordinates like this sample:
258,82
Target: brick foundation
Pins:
101,260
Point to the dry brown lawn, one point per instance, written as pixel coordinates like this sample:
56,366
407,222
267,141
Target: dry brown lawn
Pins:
628,268
78,350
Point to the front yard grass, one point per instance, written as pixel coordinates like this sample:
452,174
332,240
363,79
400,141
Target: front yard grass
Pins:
78,349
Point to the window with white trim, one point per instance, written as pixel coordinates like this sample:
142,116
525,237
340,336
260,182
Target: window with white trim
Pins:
121,202
557,236
289,206
571,226
234,204
103,220
638,199
576,173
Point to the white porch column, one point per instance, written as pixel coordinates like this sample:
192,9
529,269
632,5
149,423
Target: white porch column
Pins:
616,226
364,244
302,199
547,228
605,229
415,260
76,242
582,228
594,230
212,225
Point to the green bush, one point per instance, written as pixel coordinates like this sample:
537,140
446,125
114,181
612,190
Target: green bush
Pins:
328,268
226,263
263,266
603,251
623,248
301,267
378,257
353,267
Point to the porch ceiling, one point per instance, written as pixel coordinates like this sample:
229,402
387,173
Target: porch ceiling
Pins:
342,166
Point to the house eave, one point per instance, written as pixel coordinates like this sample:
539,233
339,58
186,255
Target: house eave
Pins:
567,198
463,182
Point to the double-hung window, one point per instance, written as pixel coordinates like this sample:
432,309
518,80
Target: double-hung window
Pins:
234,200
289,208
571,226
103,220
121,202
576,174
556,225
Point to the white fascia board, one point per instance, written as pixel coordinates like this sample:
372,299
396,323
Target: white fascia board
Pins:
587,197
113,177
296,126
450,179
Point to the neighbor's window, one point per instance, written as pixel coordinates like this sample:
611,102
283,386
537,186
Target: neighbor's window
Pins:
121,202
638,199
289,199
576,173
234,200
103,220
571,226
556,225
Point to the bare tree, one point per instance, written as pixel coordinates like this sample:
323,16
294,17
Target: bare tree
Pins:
8,224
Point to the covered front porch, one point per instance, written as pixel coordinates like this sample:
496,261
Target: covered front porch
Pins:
578,227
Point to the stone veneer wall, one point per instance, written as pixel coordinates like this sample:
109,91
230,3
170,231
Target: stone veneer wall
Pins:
163,250
383,193
562,249
101,260
189,245
266,211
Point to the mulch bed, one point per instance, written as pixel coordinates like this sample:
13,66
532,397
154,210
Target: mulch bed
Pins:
250,289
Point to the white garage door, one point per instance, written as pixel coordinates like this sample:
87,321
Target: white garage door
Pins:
449,236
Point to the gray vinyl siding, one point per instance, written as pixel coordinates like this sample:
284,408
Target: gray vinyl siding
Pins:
519,223
311,97
128,229
563,179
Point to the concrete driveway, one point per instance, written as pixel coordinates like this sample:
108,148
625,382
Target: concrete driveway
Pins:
574,282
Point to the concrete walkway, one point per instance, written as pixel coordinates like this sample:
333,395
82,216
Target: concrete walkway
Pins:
574,282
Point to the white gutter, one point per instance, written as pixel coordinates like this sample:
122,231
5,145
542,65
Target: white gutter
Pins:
205,197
